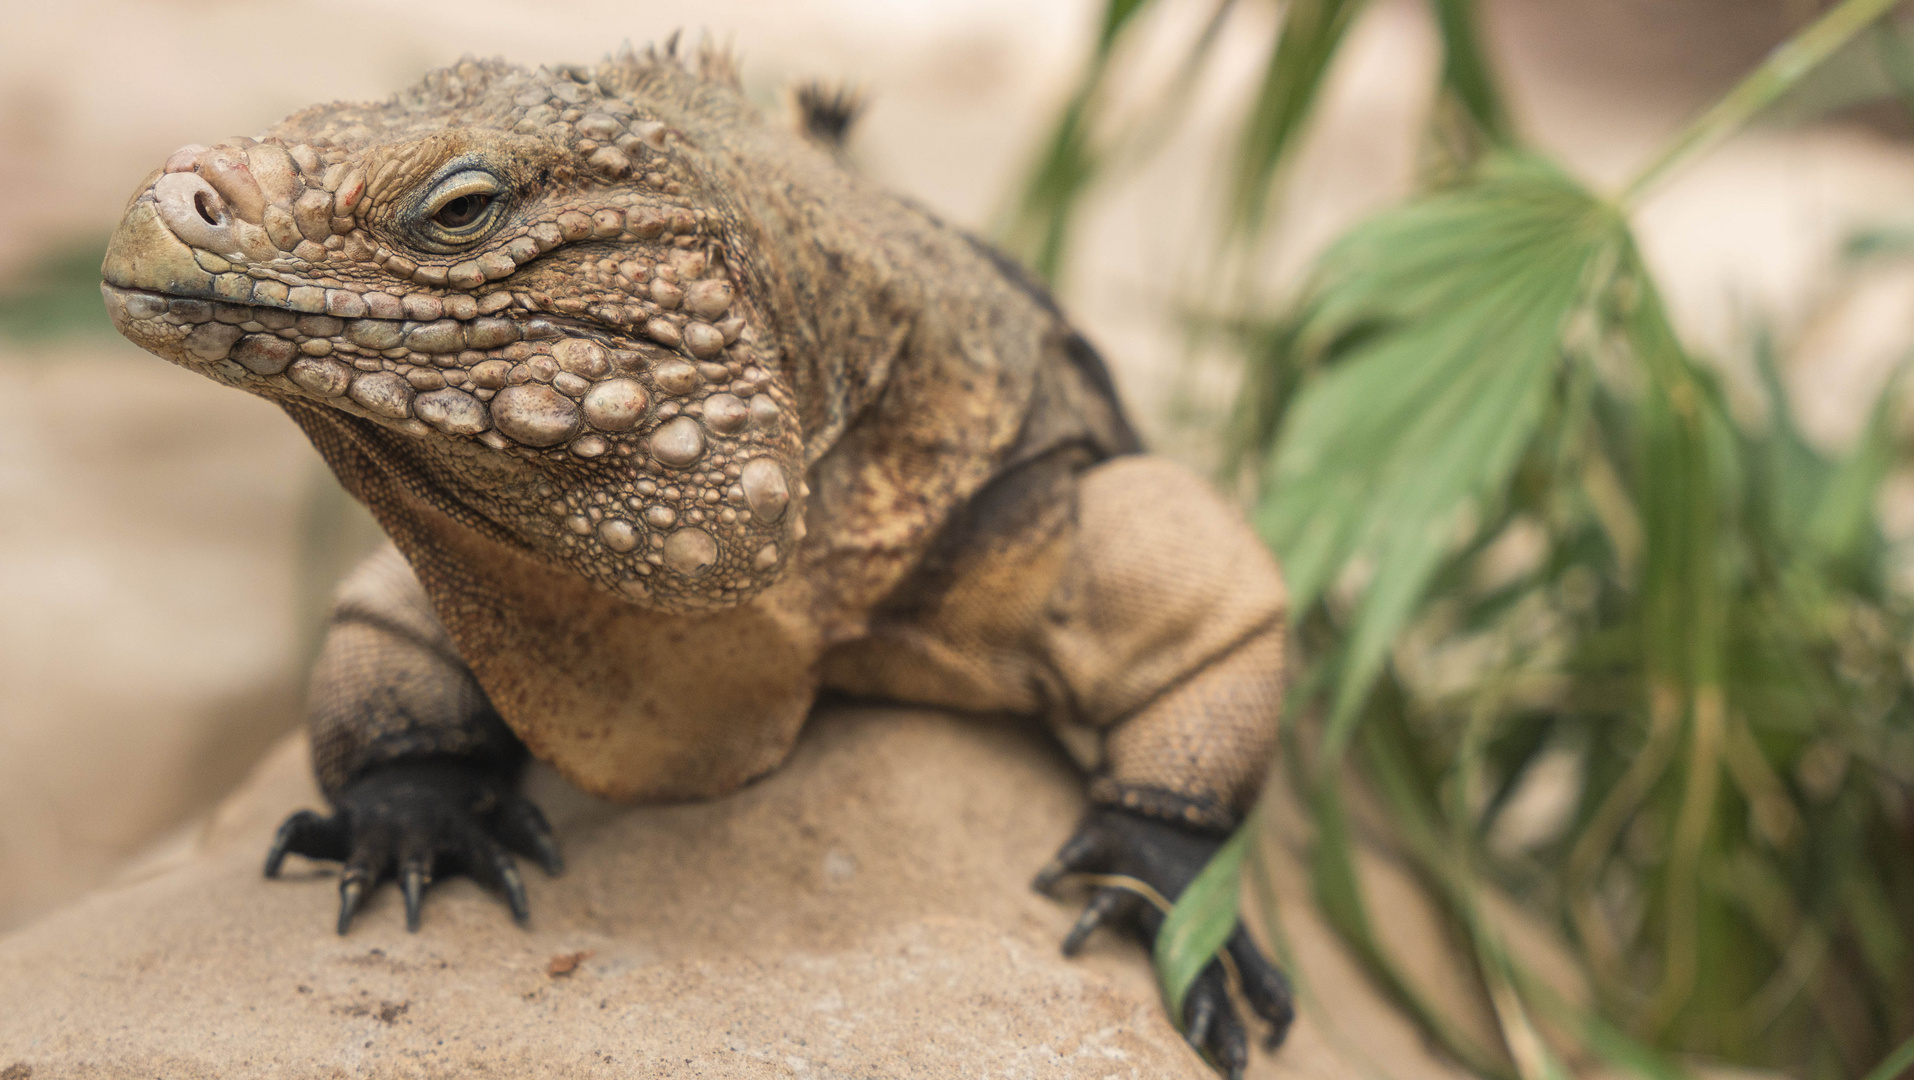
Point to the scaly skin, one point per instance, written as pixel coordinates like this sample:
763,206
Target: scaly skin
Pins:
674,422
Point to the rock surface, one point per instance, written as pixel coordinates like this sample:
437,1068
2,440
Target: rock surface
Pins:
861,912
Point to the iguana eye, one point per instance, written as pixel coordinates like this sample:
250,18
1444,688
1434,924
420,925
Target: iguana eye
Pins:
462,209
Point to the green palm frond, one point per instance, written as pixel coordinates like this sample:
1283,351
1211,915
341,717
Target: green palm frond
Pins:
1706,627
1440,328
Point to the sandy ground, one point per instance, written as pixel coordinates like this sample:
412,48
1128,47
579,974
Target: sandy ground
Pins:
161,539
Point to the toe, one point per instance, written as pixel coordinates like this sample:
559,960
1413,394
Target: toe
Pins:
1106,905
523,828
1265,986
309,834
1077,855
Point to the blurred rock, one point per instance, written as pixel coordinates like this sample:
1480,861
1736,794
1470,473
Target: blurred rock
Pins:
149,578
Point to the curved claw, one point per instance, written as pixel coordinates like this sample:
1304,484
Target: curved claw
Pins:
1106,905
352,892
493,865
1074,856
1265,986
1167,857
514,889
523,828
309,834
515,892
404,819
412,884
545,850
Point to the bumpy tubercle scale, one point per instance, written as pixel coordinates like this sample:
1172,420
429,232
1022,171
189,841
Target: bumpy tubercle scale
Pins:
597,336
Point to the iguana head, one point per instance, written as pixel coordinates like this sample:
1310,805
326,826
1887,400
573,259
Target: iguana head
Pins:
524,285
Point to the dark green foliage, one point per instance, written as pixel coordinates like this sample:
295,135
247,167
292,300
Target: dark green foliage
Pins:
1528,540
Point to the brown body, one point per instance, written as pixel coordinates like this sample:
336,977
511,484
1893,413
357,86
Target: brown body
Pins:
847,446
675,423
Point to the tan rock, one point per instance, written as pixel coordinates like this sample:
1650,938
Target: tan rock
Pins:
861,912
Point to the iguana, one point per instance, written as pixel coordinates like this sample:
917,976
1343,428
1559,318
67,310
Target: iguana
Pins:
674,422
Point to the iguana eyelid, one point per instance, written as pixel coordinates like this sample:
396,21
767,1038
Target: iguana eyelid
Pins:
457,186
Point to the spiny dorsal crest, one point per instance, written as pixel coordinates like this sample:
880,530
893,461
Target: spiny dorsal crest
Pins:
826,113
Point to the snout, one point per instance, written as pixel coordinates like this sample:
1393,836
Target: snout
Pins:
210,211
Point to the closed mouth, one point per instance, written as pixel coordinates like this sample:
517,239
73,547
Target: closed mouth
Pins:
409,373
265,339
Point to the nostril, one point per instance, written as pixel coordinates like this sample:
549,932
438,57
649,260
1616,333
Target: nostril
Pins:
195,212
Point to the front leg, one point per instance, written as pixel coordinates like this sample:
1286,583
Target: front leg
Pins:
1167,633
421,772
1162,805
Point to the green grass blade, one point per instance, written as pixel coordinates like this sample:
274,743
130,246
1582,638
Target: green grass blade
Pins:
1310,33
1339,897
1466,73
1116,15
1308,1003
1844,516
1900,1061
1068,163
1201,920
1680,502
1615,1047
1896,60
1783,68
1792,475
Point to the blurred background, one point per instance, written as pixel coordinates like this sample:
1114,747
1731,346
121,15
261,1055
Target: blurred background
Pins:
166,545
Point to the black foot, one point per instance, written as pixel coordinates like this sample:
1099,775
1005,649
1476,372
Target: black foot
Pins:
1167,858
419,820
